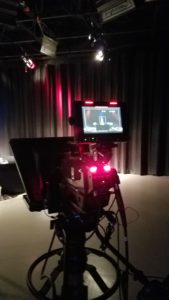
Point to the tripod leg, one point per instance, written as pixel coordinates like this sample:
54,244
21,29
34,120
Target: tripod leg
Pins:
121,209
138,275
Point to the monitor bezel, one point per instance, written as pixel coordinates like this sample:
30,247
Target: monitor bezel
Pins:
104,136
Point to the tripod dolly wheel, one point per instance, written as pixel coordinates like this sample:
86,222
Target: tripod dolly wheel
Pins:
101,284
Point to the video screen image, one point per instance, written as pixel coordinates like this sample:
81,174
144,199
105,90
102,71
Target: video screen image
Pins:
101,119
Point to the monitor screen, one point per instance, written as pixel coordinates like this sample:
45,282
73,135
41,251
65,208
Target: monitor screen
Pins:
100,122
101,119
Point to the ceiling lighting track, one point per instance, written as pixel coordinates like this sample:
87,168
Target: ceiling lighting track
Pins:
74,53
60,17
129,32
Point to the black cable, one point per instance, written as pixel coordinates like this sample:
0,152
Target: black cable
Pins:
47,258
134,210
109,208
113,201
118,249
102,228
137,273
137,214
52,285
89,237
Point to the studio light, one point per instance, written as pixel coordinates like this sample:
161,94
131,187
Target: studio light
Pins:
92,38
98,42
99,55
28,62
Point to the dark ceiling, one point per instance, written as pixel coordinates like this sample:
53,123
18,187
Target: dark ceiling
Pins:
23,24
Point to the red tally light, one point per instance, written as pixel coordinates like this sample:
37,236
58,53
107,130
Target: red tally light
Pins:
88,102
93,169
113,102
106,168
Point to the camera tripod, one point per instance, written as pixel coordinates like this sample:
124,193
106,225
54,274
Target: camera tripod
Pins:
71,264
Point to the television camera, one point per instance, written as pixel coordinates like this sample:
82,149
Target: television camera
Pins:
72,177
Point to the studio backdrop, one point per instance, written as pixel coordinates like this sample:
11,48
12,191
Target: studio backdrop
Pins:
38,103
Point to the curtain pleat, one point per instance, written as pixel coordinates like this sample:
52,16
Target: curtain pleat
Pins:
39,103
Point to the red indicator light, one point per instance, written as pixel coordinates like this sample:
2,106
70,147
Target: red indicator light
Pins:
93,169
32,66
113,102
89,102
106,168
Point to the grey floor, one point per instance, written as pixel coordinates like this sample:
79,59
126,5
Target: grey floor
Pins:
26,235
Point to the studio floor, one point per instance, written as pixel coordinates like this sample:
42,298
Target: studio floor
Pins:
26,235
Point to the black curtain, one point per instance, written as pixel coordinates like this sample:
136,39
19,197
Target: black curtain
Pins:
38,103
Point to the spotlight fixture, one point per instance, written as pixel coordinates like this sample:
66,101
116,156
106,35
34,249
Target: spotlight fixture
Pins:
28,62
24,7
97,41
99,55
93,39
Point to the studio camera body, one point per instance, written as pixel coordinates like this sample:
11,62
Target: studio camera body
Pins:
73,173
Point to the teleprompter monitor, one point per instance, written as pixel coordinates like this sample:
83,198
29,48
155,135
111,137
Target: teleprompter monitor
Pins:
38,161
101,121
